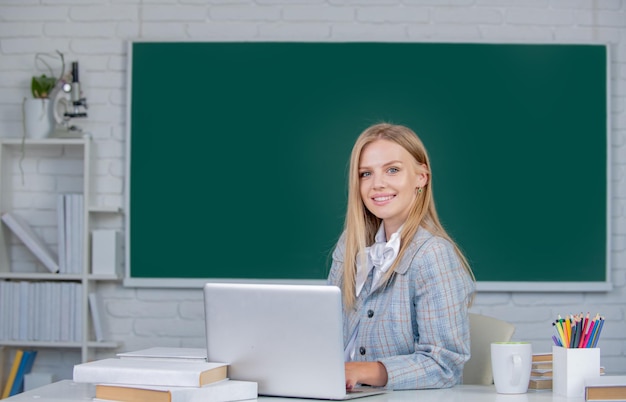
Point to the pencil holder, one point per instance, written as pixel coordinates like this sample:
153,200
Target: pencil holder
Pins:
570,368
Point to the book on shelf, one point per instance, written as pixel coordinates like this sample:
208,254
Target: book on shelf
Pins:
96,316
26,365
147,372
61,236
167,354
70,210
31,240
606,388
1,365
22,365
17,359
221,391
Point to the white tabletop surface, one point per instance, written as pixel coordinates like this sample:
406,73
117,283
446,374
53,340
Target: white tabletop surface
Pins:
69,391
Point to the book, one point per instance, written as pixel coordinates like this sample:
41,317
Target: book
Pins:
540,383
78,211
17,360
26,365
148,372
222,391
96,317
541,365
78,303
34,243
1,354
61,236
168,354
606,388
541,373
542,357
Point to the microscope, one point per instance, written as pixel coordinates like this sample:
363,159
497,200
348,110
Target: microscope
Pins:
66,109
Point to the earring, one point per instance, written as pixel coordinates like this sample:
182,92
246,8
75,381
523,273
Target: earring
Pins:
419,190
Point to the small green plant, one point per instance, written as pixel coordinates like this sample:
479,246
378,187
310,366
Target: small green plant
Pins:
42,86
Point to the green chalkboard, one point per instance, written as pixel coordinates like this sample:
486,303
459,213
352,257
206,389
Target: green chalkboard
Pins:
238,154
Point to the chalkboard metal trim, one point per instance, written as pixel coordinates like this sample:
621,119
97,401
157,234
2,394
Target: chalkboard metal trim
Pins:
557,287
199,282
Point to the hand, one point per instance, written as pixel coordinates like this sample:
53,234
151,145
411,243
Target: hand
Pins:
369,373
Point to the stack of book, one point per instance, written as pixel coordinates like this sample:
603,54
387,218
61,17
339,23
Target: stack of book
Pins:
163,374
541,371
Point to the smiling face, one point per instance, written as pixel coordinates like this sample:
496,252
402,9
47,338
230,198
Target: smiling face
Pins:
388,182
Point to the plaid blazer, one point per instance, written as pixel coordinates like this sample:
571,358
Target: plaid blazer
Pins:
417,325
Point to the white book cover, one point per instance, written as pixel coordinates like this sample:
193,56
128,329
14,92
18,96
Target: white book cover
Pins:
71,312
137,371
47,312
39,298
76,230
69,235
55,322
15,316
78,303
606,381
222,391
33,311
14,326
61,233
3,309
25,303
66,299
166,353
96,316
25,233
77,221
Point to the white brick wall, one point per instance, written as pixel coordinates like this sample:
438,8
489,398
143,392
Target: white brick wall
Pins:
94,32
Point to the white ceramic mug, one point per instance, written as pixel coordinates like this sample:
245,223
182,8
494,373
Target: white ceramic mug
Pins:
511,362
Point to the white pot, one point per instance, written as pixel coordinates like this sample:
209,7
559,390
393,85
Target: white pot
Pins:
38,118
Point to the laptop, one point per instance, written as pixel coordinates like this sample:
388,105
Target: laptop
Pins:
287,338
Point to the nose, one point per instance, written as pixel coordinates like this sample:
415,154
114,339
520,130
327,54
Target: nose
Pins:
379,181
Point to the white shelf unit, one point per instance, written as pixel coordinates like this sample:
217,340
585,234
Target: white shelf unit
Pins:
20,161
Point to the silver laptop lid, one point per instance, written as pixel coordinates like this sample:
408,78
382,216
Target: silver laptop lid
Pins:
287,338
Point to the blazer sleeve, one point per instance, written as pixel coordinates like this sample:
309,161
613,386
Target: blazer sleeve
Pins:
442,290
336,268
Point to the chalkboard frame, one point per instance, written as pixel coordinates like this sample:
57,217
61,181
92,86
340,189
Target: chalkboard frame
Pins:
497,286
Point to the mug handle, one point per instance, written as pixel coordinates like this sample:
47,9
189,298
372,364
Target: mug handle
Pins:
517,369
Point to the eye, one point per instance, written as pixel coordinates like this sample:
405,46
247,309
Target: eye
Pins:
393,170
364,174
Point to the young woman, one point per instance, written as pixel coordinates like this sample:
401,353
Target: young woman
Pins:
406,285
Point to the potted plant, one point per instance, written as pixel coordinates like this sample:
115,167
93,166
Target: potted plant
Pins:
42,86
39,120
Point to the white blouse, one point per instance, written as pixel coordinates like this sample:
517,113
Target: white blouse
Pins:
380,257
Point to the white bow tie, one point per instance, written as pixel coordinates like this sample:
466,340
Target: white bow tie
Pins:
380,256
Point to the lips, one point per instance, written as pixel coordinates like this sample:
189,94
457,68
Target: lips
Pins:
382,198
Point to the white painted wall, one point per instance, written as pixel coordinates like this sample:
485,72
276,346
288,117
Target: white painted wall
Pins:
94,33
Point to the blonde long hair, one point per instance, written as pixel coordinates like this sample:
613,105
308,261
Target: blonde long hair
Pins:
361,225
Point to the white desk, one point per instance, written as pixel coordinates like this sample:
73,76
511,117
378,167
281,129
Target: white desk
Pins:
69,391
